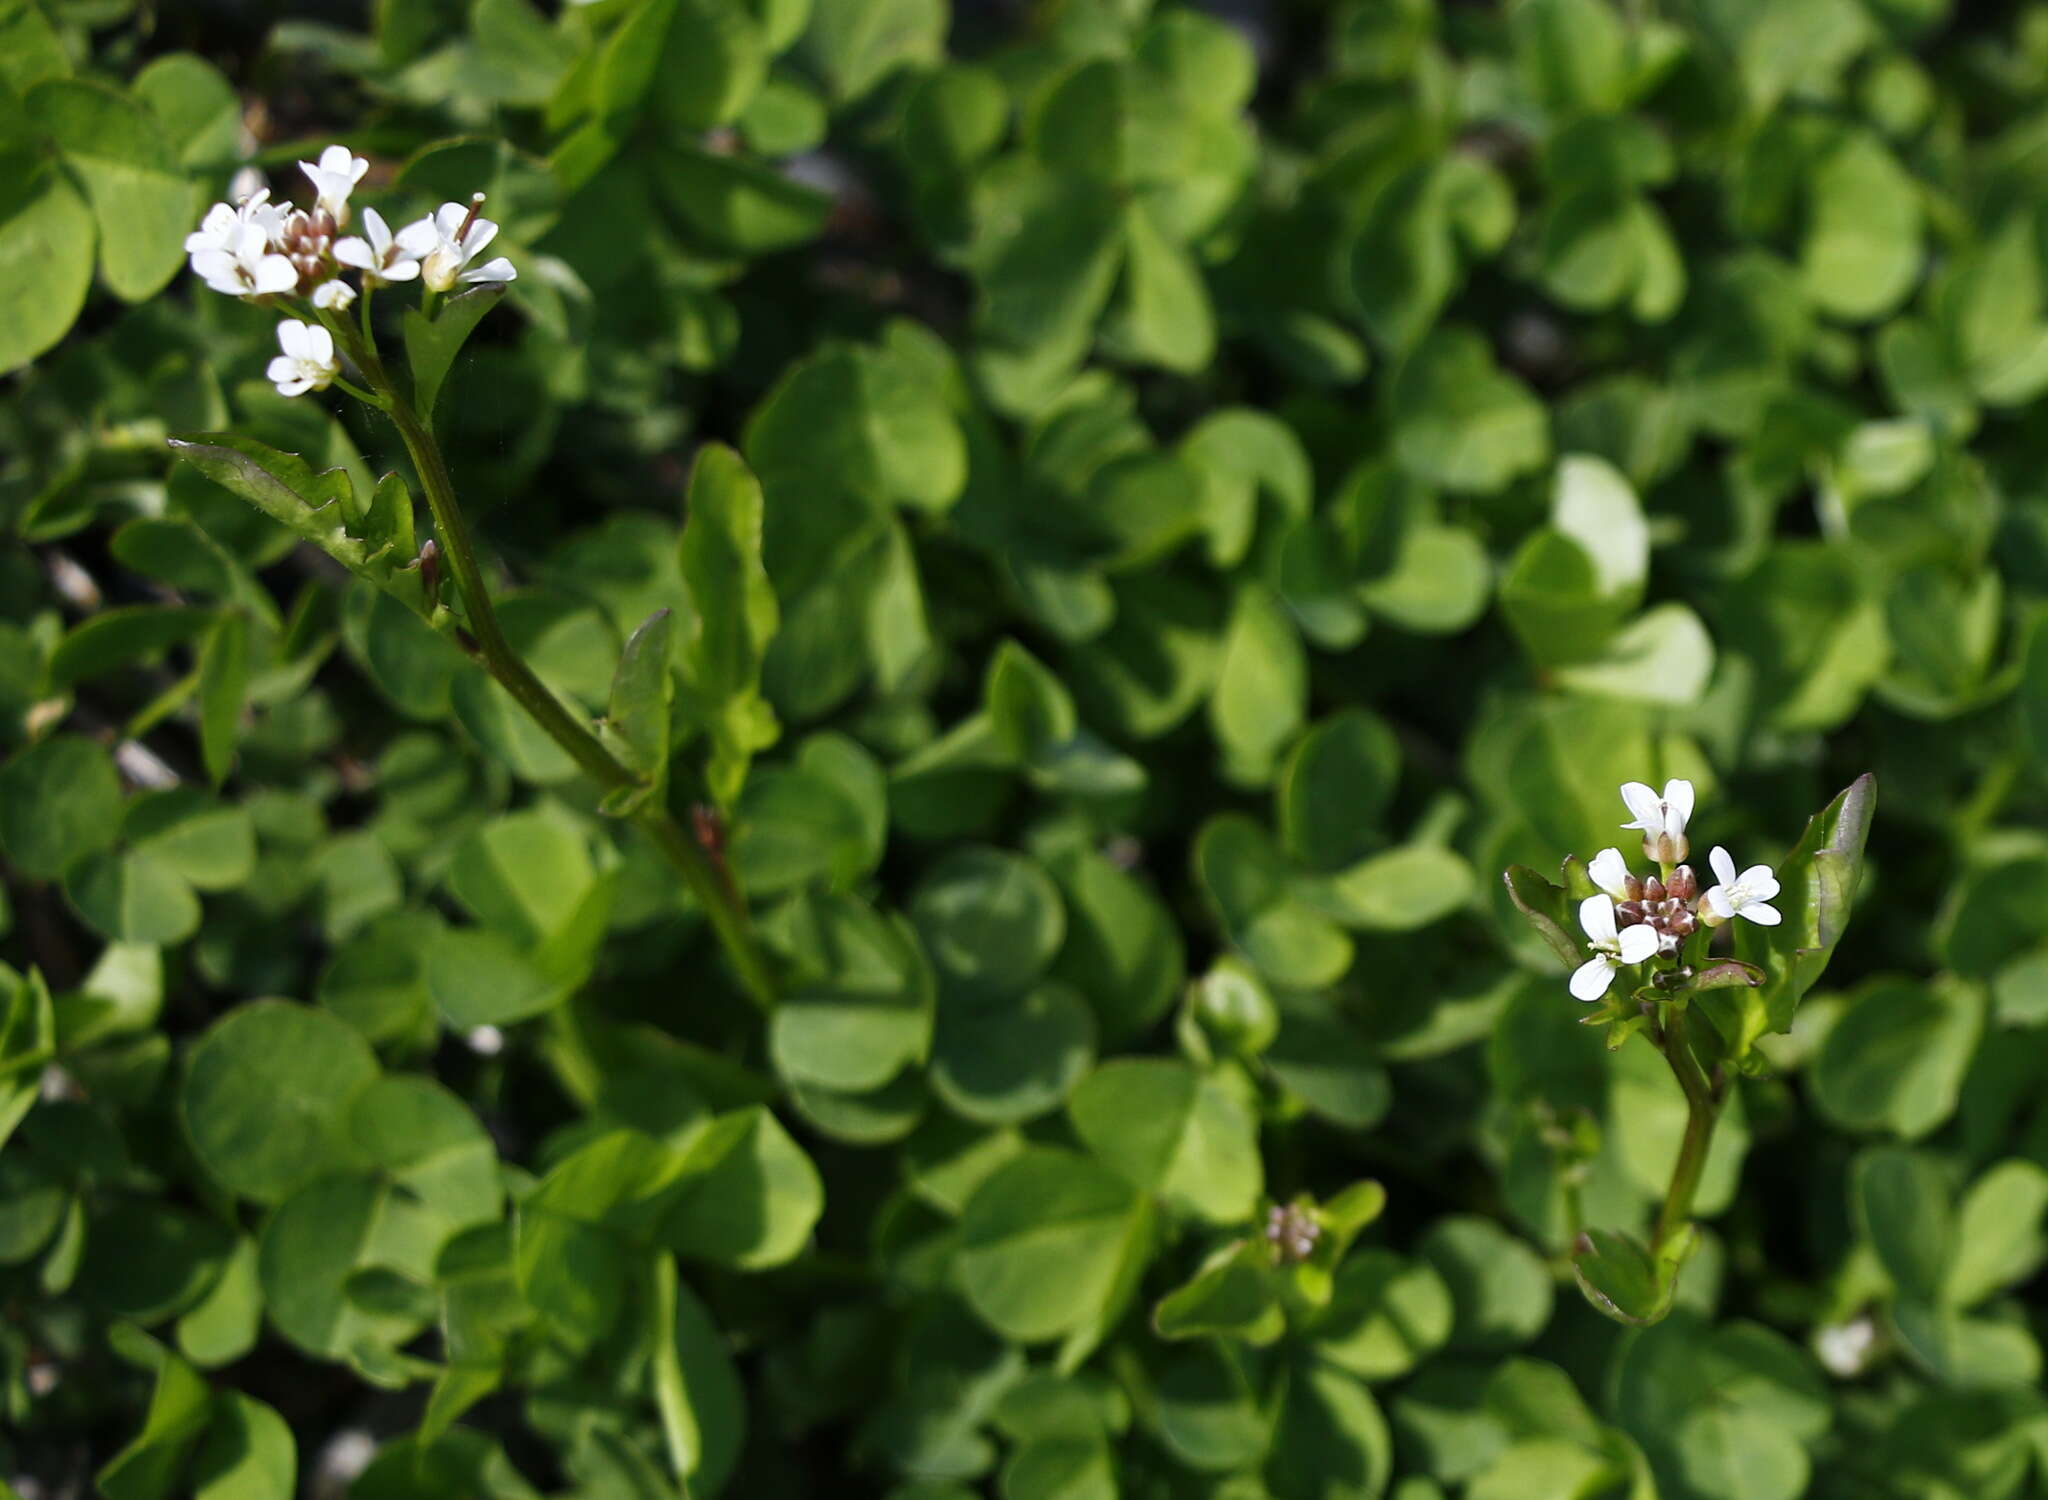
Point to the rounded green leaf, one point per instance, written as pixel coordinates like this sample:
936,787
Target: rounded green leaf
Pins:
1173,1132
1047,1207
1001,1062
991,921
267,1097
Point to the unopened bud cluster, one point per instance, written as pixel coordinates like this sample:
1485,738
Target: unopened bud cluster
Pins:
1665,907
1292,1231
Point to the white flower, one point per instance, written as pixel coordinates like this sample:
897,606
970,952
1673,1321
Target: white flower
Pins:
1611,949
334,295
1610,872
1845,1348
334,177
448,241
380,257
231,248
1747,896
1662,819
308,362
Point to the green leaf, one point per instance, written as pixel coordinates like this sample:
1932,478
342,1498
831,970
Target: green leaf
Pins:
431,344
862,422
1901,1202
1548,908
1499,1287
1998,1238
1233,1295
47,236
1896,1058
144,204
1330,1439
223,692
855,44
1819,879
860,1010
150,1467
248,1453
1172,1132
1248,887
637,717
1004,1061
1261,693
320,507
267,1094
750,1197
990,920
735,615
1459,422
1386,1315
59,801
1048,1206
1621,1278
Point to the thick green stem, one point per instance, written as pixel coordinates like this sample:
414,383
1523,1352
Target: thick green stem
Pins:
1703,1108
721,903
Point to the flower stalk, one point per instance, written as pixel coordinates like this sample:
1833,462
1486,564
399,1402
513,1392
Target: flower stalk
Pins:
296,259
494,653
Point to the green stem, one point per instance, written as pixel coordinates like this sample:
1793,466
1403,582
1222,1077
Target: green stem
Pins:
721,902
1703,1108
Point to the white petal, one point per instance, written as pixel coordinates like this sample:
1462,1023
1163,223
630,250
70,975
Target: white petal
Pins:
448,218
335,294
355,252
1719,903
1596,915
500,269
481,233
1723,863
1591,978
1610,872
291,337
282,367
1642,801
1678,795
276,274
400,270
1638,943
380,232
1762,913
419,237
1760,882
319,345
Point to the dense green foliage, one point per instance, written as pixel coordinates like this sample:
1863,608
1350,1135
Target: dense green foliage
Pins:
1211,500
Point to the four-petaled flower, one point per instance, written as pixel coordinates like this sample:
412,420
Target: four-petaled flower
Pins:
1612,948
1747,895
333,295
448,241
1662,819
231,249
334,177
308,362
379,257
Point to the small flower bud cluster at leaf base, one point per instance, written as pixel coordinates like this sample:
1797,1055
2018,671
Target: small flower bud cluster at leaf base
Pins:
1292,1231
1637,919
299,258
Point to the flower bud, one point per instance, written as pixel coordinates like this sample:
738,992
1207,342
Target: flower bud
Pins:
1665,848
1653,890
1683,884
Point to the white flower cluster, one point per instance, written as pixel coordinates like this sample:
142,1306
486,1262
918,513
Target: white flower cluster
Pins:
1635,920
256,248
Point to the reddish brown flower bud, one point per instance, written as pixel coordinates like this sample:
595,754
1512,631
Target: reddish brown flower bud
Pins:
1683,883
1653,889
1634,887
